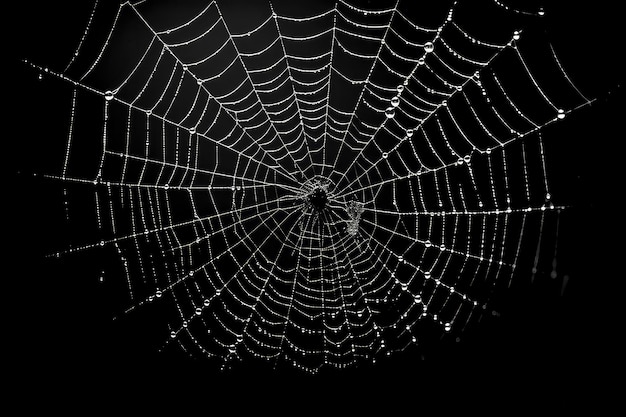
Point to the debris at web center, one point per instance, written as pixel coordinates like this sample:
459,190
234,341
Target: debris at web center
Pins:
355,209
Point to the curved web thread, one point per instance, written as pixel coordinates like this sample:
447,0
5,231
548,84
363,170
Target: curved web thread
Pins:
317,189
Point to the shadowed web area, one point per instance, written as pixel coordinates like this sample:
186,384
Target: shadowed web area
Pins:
309,186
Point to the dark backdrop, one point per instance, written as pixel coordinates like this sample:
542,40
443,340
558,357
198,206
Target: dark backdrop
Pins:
548,348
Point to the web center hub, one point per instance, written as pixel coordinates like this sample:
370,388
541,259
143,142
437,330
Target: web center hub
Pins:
318,199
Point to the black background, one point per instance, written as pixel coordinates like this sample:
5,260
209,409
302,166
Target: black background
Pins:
547,349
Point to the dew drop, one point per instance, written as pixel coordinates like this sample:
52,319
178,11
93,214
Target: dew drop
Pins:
409,132
516,35
108,95
447,327
429,47
192,130
173,334
400,88
405,82
198,311
40,77
207,302
467,158
541,12
395,102
166,186
159,293
185,67
421,61
427,244
390,112
561,114
427,274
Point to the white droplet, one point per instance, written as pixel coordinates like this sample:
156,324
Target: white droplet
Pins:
198,311
405,82
429,47
149,112
159,293
108,95
447,327
467,158
427,274
541,11
548,196
427,244
561,114
459,161
173,334
421,61
166,186
185,67
516,35
395,102
409,133
192,130
207,302
400,88
390,112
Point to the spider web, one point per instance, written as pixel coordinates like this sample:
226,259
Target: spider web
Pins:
322,188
